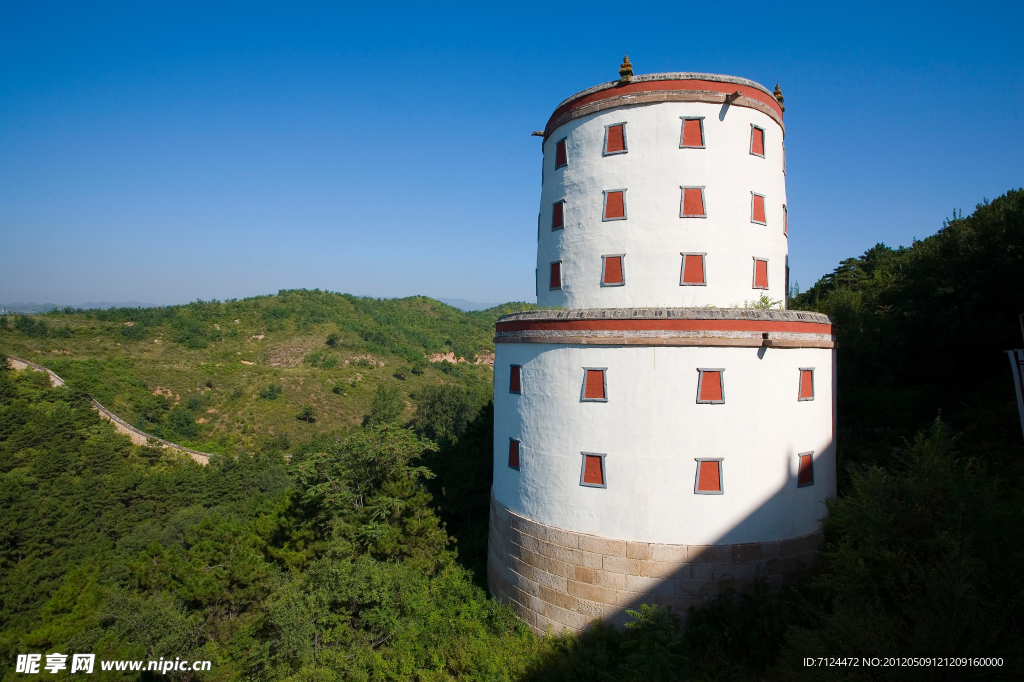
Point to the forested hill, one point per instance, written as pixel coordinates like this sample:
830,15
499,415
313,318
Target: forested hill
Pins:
922,331
263,373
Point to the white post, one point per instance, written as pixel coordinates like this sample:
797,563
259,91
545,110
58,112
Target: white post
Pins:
1016,365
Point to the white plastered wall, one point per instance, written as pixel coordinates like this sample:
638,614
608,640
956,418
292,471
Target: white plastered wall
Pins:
653,234
652,429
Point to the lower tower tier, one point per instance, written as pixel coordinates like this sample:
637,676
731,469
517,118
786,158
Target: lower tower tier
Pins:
705,436
563,580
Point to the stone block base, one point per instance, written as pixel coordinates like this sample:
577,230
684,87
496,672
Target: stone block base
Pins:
564,580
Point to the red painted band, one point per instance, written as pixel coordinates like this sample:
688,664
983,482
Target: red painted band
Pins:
654,86
666,325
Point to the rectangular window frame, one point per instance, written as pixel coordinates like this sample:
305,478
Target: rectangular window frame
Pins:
562,226
625,142
753,275
785,221
622,261
764,140
520,368
682,201
604,385
583,470
800,384
764,202
700,385
564,142
703,267
519,454
682,132
721,476
559,264
604,205
798,457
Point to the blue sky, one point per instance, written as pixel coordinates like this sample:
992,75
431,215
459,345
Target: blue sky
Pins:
168,152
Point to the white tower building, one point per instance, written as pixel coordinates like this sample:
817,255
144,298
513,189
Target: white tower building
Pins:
654,440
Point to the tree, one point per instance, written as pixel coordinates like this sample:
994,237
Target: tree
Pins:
365,489
443,412
388,405
462,489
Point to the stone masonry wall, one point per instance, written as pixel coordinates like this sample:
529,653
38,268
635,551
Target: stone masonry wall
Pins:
565,580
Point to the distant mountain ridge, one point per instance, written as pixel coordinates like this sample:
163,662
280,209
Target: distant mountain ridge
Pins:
33,308
466,306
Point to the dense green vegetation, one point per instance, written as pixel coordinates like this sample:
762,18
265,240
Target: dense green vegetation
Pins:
361,557
333,562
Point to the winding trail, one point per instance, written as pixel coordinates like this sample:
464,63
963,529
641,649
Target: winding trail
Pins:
137,437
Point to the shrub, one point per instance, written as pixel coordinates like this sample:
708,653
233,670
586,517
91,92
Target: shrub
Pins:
30,326
134,332
180,423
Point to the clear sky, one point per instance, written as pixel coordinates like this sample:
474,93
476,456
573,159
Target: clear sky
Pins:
168,152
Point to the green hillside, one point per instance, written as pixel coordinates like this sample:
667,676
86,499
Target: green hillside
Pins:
233,376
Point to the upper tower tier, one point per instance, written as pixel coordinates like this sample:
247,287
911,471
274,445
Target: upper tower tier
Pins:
663,190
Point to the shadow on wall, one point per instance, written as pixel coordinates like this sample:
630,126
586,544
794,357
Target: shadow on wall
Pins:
560,579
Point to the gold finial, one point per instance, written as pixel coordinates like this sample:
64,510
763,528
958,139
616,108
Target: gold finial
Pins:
778,97
625,71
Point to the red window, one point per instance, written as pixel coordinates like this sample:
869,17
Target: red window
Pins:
693,203
692,270
615,205
806,474
513,379
513,453
594,384
693,133
558,216
612,275
785,220
806,384
757,209
556,276
756,141
615,139
560,158
760,273
709,477
593,471
709,386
